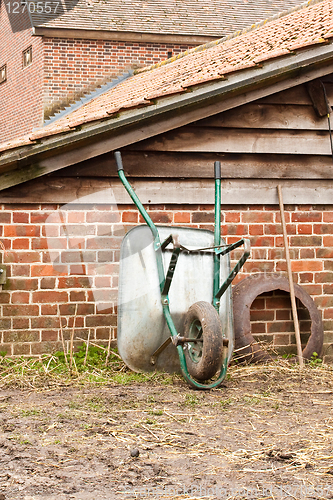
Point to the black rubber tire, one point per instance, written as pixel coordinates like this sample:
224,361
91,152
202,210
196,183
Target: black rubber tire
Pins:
245,292
203,359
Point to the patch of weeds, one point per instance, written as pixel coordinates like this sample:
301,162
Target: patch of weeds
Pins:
75,405
97,404
156,412
25,441
225,403
31,412
315,360
191,399
254,400
150,421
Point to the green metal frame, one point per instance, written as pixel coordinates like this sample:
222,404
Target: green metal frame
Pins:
165,280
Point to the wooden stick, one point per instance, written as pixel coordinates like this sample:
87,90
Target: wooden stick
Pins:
109,347
87,348
290,279
72,340
62,336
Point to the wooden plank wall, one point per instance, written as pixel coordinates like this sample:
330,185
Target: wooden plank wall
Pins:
276,139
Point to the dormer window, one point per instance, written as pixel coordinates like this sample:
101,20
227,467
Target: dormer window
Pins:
3,73
27,57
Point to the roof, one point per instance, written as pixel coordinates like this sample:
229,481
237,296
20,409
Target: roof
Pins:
289,47
215,18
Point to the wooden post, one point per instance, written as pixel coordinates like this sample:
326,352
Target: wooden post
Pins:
290,279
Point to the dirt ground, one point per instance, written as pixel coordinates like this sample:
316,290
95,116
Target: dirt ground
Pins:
267,434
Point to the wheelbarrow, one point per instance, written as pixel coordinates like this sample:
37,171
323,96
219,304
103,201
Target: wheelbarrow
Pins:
174,296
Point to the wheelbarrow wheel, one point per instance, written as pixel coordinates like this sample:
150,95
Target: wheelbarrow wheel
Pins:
204,357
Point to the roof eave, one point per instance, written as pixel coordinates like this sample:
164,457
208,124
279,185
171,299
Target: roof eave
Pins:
122,36
93,139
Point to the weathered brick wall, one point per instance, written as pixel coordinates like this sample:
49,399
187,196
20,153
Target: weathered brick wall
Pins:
21,106
74,67
70,258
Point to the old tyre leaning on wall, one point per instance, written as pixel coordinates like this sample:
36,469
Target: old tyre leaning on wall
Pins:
203,358
245,292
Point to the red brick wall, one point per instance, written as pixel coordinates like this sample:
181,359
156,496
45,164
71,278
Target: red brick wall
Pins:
29,319
75,66
21,107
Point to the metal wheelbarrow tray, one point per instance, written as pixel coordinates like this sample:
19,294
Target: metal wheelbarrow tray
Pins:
174,302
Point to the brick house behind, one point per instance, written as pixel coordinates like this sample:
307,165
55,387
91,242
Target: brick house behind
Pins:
93,42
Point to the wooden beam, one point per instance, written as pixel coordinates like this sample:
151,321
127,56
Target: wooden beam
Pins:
191,139
103,191
267,116
122,36
155,164
295,95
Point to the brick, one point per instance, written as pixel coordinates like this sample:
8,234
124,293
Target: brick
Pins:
21,230
20,310
47,283
278,302
74,282
261,315
283,314
20,270
45,322
102,333
324,277
47,309
306,265
282,339
45,296
306,241
21,244
76,217
312,289
45,347
305,229
49,335
328,241
324,253
257,217
21,284
131,217
328,217
328,288
21,336
306,277
232,217
205,217
240,229
101,320
75,296
258,328
258,303
103,217
306,217
5,323
20,218
20,323
306,253
21,349
323,229
262,241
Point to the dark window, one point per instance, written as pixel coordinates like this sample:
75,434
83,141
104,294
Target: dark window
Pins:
27,57
3,73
